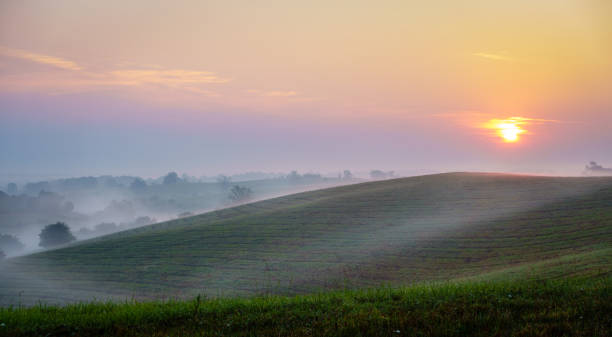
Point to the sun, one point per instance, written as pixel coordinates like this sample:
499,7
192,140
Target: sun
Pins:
508,129
509,132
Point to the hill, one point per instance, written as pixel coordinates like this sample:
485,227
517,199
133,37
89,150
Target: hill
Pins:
401,231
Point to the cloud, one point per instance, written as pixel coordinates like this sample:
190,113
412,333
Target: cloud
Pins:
201,91
173,77
495,125
53,61
495,57
273,93
81,79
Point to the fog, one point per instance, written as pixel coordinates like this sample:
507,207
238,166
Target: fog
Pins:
95,206
432,210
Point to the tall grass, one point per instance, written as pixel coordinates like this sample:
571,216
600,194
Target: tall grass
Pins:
518,308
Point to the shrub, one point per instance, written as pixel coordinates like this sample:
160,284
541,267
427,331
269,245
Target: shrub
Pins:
55,234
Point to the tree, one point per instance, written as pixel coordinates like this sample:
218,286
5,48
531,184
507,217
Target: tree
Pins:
378,174
138,185
55,234
224,180
171,178
10,244
294,177
240,194
347,175
2,255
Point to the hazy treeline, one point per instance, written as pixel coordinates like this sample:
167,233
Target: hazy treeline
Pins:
594,169
93,206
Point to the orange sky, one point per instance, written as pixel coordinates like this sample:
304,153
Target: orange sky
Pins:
449,66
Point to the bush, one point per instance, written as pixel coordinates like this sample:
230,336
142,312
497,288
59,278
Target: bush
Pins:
240,194
171,178
138,185
10,244
55,235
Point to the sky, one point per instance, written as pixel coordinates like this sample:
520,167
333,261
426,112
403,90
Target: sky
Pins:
209,87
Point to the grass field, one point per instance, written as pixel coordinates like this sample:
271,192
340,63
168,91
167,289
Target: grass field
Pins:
520,308
394,232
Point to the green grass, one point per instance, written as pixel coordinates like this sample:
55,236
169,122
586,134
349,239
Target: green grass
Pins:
396,232
596,264
440,255
549,308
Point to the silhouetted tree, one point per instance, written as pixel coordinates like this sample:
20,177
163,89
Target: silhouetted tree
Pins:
378,174
224,180
294,177
138,185
10,244
55,234
311,177
595,169
240,194
79,183
2,255
171,178
347,175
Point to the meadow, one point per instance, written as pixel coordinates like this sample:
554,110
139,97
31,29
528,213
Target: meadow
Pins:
438,255
521,308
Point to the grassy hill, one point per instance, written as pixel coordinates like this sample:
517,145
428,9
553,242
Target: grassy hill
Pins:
397,232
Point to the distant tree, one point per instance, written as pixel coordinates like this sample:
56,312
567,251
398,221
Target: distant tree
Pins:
2,255
11,188
171,178
10,244
240,194
311,177
347,175
224,180
294,177
55,234
35,188
79,183
188,179
595,169
378,174
138,185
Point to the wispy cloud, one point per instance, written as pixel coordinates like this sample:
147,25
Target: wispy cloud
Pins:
201,91
477,119
171,77
273,93
495,57
80,78
53,61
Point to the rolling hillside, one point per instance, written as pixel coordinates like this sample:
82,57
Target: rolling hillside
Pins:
401,231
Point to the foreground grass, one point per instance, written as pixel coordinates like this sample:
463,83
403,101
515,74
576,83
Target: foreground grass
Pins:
518,308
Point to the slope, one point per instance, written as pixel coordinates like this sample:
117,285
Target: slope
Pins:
400,231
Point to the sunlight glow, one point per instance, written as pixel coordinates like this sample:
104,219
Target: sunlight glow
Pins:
508,129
